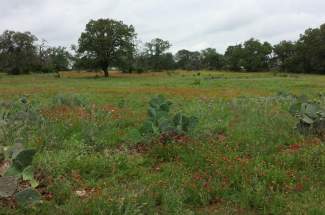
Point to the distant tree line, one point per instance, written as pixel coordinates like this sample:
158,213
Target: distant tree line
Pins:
108,43
22,53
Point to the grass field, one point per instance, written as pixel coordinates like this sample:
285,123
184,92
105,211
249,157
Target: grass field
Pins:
243,157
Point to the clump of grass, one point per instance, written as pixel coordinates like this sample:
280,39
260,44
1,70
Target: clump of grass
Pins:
70,100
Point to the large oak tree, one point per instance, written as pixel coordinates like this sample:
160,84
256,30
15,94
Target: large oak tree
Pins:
106,43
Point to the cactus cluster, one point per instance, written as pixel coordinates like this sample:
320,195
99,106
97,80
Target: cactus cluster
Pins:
19,160
16,119
160,121
311,117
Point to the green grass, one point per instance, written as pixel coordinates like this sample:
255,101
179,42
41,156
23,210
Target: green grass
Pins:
244,156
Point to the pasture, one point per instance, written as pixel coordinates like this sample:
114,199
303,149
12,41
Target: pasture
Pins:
244,155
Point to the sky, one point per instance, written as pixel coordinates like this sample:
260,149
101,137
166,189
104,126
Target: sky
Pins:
187,24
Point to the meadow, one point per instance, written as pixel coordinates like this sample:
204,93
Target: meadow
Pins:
244,156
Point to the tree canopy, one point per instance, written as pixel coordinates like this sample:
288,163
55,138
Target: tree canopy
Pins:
17,52
106,42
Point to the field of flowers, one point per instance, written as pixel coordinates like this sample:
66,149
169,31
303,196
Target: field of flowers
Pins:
161,143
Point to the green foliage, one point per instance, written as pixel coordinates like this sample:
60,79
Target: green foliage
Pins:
18,52
23,159
105,43
252,56
20,162
188,60
212,60
70,100
162,122
20,167
16,120
27,197
154,57
311,117
305,55
28,175
242,157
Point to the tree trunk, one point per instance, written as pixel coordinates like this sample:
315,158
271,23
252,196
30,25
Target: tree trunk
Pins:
106,72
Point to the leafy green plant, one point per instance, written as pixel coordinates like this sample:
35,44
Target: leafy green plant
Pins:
311,117
16,120
27,197
161,122
19,168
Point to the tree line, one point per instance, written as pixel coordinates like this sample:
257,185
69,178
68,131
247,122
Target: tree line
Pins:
107,43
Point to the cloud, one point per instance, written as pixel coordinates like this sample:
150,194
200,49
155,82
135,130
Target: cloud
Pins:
190,24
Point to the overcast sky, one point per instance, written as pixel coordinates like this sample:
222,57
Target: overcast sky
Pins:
190,24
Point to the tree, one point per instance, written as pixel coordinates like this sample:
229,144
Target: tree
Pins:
18,52
256,55
60,58
311,50
234,57
155,50
285,56
106,42
252,56
52,59
188,60
167,61
305,55
212,60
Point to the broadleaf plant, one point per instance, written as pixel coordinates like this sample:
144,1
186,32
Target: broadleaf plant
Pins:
311,117
161,122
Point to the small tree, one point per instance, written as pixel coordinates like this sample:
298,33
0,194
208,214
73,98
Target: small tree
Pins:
188,60
106,42
155,50
211,59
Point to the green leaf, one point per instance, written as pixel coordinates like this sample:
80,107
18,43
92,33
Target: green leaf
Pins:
311,110
152,112
164,125
13,171
295,108
16,149
28,175
28,197
307,119
24,159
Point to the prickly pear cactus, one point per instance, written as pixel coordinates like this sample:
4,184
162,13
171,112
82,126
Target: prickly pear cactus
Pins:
27,197
311,117
8,186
